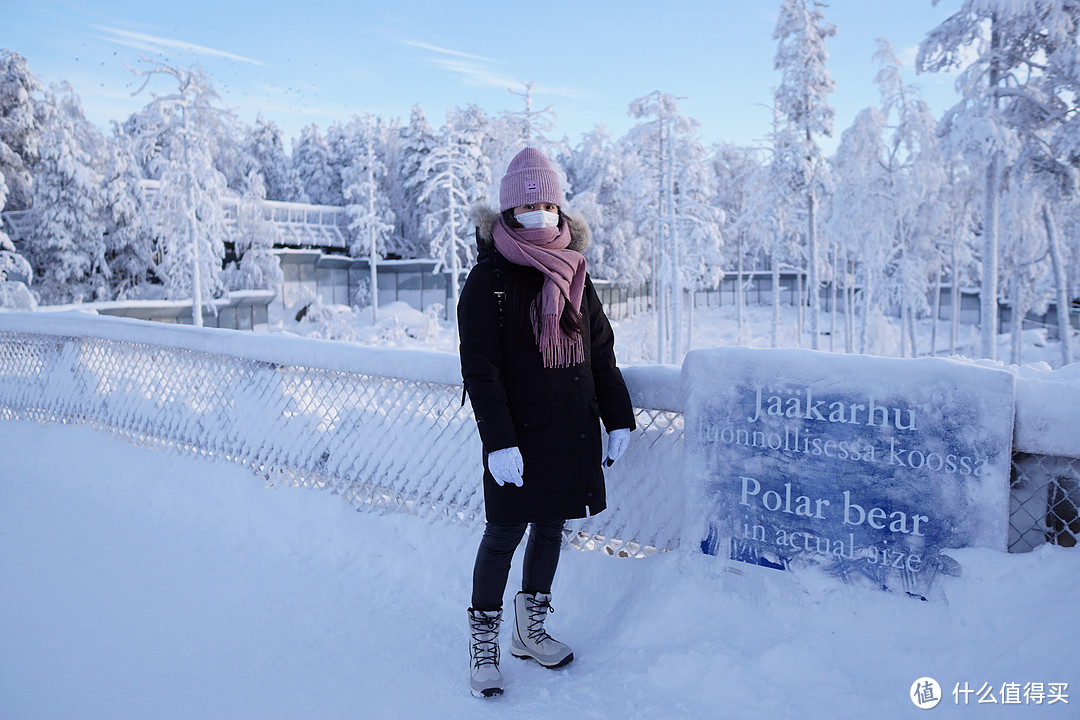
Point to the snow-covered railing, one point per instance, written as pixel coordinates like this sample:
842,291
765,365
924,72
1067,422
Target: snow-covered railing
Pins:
387,428
384,428
1045,500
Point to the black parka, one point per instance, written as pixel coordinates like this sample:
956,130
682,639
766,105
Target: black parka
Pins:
551,414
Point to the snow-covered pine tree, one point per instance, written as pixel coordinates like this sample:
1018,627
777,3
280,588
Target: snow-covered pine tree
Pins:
528,127
343,140
371,218
263,144
66,246
473,127
254,239
127,230
595,171
20,127
174,134
226,145
15,272
313,164
456,174
779,210
415,142
800,100
531,125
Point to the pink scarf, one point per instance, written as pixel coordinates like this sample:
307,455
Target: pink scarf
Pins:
547,250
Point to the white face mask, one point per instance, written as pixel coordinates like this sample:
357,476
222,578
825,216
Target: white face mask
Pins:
538,219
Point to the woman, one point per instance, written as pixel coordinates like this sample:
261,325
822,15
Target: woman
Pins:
538,364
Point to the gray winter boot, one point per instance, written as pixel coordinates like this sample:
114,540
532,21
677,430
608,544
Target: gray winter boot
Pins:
485,679
530,640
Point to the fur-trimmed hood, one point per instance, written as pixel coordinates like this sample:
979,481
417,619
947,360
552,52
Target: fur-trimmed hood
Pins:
484,217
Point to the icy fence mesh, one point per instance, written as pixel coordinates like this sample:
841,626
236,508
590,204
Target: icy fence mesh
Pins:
386,444
1044,504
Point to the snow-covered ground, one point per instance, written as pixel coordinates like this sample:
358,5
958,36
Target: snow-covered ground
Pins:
137,584
140,584
402,326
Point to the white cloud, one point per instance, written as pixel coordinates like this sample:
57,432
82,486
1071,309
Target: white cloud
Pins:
478,71
472,74
445,51
157,44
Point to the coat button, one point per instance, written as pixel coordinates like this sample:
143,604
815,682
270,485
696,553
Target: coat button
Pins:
582,436
524,424
575,378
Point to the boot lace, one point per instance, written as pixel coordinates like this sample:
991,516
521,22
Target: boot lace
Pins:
538,610
485,640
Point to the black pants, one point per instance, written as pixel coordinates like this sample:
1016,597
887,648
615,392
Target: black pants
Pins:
497,550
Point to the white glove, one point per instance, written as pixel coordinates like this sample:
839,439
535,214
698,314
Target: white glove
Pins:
506,466
617,441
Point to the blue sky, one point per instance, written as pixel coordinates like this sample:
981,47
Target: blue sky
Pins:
304,62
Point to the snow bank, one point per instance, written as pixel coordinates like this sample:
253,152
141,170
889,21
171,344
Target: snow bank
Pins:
282,349
142,585
1047,407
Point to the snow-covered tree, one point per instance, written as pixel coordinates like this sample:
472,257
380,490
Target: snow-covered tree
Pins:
472,127
914,172
263,144
126,226
456,174
174,135
1045,112
739,173
313,164
800,100
778,209
254,239
961,195
1024,74
15,272
67,247
20,127
861,218
1023,268
371,219
416,141
513,131
532,125
345,142
596,171
678,215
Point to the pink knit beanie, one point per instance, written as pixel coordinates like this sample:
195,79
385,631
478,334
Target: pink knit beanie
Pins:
529,179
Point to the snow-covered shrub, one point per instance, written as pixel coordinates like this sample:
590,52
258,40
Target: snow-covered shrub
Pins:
324,320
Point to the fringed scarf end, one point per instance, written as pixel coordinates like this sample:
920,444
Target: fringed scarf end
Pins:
557,349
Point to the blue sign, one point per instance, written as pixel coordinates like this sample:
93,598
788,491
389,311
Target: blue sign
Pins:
867,468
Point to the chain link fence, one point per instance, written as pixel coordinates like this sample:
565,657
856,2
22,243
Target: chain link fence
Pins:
1044,502
385,443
